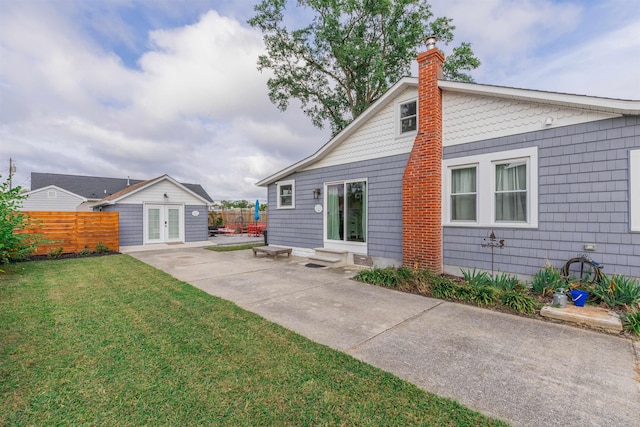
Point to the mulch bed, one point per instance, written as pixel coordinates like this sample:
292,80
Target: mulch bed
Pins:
66,256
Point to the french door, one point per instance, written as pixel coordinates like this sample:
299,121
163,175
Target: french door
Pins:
163,223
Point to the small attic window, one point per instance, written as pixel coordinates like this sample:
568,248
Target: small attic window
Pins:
408,117
52,194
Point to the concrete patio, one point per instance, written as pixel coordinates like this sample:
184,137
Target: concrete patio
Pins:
524,371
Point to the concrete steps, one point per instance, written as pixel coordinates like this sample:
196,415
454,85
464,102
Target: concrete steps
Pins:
329,257
592,317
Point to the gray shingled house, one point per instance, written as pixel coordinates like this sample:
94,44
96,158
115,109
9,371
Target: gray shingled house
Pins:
158,210
433,167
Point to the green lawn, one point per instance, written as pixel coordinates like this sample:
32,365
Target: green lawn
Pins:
112,341
233,247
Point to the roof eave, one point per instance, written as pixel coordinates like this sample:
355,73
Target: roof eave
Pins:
151,183
71,193
99,205
607,105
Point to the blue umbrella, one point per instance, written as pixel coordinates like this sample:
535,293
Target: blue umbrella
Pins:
256,216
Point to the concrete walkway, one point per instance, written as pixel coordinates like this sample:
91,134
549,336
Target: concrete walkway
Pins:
220,240
526,372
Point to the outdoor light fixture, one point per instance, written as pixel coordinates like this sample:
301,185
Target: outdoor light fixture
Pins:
165,196
316,193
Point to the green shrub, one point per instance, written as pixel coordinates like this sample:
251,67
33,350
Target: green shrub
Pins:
507,282
85,252
618,290
547,280
444,288
55,253
486,295
14,246
101,248
519,302
465,292
631,321
388,277
476,278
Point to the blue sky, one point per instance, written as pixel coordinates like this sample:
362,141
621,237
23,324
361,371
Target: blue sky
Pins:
122,88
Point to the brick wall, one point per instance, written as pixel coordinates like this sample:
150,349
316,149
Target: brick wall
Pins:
422,180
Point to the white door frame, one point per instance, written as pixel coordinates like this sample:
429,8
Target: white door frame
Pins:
163,219
355,247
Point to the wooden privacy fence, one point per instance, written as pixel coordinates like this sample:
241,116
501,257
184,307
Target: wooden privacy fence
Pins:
74,231
236,216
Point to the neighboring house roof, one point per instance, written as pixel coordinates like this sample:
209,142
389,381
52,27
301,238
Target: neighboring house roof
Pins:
132,189
97,188
597,104
56,188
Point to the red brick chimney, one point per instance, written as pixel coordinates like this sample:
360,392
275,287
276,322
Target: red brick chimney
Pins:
422,180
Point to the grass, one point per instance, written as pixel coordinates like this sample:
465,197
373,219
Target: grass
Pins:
233,248
112,341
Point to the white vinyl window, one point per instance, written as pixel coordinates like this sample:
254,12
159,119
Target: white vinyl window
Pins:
634,188
286,194
511,191
463,194
408,117
492,190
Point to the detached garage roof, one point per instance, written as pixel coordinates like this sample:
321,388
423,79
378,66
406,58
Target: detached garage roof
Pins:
97,188
132,189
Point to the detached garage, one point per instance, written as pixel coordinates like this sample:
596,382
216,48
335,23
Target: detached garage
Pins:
159,210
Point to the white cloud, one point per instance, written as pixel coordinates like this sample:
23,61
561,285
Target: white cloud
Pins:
196,108
206,69
573,47
194,105
506,30
606,65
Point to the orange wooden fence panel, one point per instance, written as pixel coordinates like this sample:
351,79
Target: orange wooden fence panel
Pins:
74,231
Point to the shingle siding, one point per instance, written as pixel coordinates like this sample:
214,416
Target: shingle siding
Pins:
302,227
583,198
195,227
130,223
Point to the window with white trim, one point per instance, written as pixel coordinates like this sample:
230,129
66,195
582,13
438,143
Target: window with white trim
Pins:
492,190
408,116
511,191
463,194
634,189
286,194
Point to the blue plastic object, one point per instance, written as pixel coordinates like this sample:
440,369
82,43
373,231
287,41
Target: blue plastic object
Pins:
579,297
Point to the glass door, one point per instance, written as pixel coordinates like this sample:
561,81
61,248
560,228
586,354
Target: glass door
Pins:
163,223
173,223
346,212
153,224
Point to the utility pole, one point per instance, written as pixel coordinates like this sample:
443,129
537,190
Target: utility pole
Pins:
12,170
